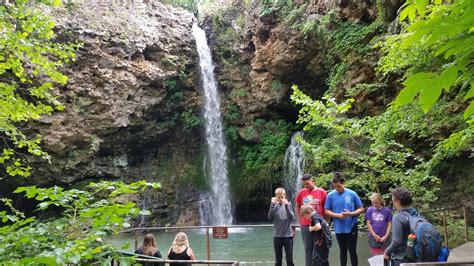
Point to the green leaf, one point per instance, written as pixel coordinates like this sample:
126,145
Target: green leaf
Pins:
421,6
404,14
44,205
470,93
429,95
469,110
126,225
412,13
448,77
413,85
106,262
406,7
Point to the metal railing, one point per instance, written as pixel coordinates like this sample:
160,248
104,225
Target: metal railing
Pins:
438,263
136,232
443,211
139,258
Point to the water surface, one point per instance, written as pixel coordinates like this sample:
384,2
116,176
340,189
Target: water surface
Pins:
249,246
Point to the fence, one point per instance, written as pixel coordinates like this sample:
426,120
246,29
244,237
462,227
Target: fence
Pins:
222,229
450,221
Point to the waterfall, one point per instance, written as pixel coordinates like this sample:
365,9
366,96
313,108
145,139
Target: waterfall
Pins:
215,206
293,166
143,208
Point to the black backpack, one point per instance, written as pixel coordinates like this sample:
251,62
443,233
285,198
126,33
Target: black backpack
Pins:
325,232
428,240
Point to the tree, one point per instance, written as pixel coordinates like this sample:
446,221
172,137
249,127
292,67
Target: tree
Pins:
30,61
368,150
76,234
435,50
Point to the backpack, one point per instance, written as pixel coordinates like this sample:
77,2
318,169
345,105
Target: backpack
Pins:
428,240
325,232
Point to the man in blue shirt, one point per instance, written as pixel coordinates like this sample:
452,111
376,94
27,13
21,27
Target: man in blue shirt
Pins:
344,205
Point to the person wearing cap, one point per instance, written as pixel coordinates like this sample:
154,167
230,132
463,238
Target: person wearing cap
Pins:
344,205
316,198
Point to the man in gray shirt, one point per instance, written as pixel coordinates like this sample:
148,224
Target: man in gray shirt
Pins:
281,212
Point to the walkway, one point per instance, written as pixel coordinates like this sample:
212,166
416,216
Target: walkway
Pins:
463,253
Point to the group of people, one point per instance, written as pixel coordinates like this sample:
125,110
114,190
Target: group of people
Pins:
315,207
179,250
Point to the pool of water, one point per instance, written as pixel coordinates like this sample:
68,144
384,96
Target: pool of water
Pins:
249,246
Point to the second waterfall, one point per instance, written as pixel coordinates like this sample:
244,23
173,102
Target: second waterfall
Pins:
215,206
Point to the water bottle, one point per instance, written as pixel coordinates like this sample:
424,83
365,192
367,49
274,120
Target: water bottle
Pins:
411,254
443,254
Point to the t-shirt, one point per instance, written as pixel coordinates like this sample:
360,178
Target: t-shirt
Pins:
337,203
283,217
316,198
320,249
379,219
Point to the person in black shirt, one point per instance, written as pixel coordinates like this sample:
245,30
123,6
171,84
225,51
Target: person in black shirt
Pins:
149,248
180,250
320,247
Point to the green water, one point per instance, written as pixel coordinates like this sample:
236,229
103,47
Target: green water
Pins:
250,246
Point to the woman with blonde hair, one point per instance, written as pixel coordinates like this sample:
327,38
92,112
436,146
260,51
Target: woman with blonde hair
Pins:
180,250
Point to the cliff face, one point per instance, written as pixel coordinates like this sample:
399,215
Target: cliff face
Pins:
132,109
262,48
261,51
132,104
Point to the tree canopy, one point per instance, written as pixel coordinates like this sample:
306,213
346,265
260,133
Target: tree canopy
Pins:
30,61
435,51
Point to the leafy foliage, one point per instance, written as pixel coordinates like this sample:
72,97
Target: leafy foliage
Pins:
272,141
29,69
283,8
77,235
191,5
190,119
237,93
376,152
435,49
346,42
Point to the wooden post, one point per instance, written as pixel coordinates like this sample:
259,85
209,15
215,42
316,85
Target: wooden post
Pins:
445,230
135,234
208,245
466,233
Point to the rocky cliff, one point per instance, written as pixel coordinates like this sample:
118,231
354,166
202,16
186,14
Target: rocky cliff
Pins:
262,49
132,104
132,107
325,47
